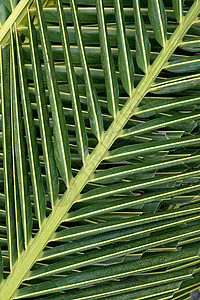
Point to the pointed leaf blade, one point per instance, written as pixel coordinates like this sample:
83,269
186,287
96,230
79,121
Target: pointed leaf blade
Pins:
158,19
112,89
125,60
178,9
142,41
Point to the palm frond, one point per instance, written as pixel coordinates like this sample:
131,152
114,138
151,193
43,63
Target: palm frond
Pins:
99,160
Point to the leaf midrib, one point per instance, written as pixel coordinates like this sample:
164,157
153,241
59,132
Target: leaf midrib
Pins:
10,285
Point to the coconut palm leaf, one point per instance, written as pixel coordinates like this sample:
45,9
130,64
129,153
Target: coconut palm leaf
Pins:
99,158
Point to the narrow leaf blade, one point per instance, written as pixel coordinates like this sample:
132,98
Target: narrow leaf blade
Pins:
18,216
142,41
158,19
45,130
37,183
20,154
81,135
61,143
112,89
94,110
125,59
7,150
178,9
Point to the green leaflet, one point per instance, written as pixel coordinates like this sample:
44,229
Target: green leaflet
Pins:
85,252
175,84
124,290
81,232
178,9
105,253
184,65
125,59
18,216
102,274
111,83
61,143
4,12
143,46
38,188
10,4
160,292
158,123
7,148
20,171
81,134
105,241
158,19
94,110
1,267
117,173
99,209
47,145
191,45
109,190
128,152
14,3
129,288
156,106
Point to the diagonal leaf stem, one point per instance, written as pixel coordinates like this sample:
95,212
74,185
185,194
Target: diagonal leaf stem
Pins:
10,285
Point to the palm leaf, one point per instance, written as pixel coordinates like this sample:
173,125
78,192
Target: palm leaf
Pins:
99,161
